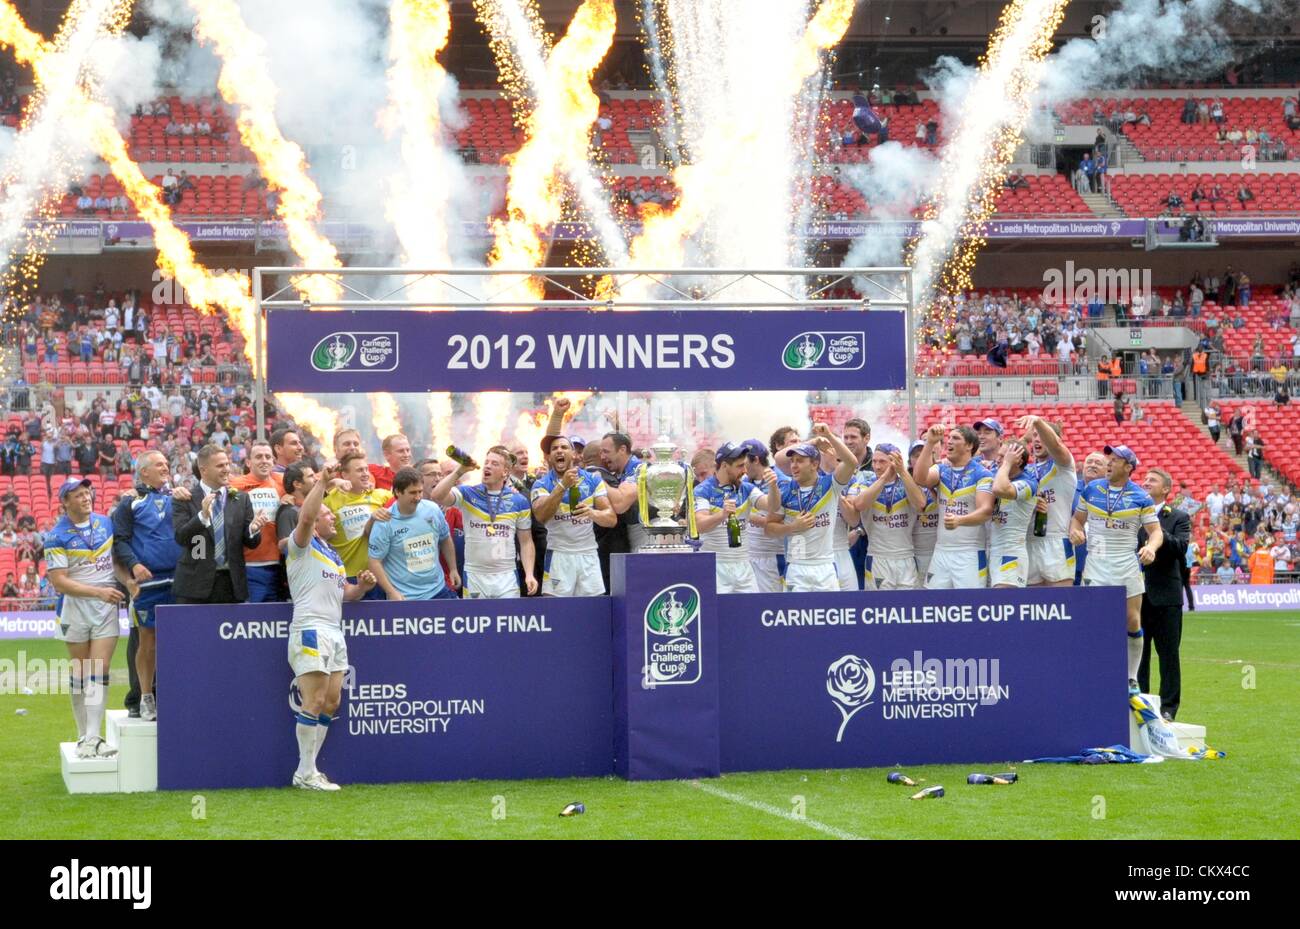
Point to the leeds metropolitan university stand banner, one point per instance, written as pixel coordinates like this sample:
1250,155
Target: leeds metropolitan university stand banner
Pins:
405,351
666,679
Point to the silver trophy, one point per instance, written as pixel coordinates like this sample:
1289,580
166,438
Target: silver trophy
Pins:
665,489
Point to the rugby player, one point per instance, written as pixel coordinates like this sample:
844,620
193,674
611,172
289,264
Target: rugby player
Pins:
808,506
965,490
925,528
572,566
727,493
318,654
766,552
1051,557
888,506
145,549
1015,490
1114,508
495,516
403,550
357,505
79,564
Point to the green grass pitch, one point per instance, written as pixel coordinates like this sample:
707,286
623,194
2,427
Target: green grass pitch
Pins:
1250,794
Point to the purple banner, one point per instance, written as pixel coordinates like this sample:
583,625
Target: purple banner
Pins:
665,666
880,678
436,690
684,684
405,351
1242,597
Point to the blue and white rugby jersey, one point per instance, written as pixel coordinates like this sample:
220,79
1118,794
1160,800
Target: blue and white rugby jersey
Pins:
1115,514
1059,487
958,489
1012,518
563,532
758,542
822,500
86,553
316,578
710,497
491,521
890,520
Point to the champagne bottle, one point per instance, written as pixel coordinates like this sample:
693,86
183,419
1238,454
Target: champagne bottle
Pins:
733,531
575,495
1040,522
460,456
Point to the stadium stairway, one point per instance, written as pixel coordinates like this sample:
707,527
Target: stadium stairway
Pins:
134,769
1103,206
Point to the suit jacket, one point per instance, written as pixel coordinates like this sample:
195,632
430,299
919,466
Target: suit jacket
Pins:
194,575
1164,576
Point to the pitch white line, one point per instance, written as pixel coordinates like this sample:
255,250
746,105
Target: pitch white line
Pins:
775,811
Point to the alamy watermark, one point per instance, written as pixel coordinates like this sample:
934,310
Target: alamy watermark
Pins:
1069,285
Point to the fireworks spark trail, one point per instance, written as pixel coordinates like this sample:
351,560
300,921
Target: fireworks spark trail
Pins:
308,414
732,149
660,47
45,157
953,225
491,410
207,291
386,416
517,36
440,414
557,137
419,196
245,82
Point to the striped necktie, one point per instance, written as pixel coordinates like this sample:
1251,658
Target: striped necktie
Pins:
219,527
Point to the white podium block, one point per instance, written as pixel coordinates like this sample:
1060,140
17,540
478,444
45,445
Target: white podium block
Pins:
87,775
1189,735
136,742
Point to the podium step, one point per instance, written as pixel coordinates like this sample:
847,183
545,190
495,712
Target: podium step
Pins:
87,775
136,742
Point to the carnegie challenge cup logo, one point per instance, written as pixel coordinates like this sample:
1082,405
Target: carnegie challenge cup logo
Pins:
356,351
850,681
825,351
672,636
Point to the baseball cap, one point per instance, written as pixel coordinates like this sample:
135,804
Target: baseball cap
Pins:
991,424
888,448
806,449
755,448
729,451
1122,451
74,484
577,441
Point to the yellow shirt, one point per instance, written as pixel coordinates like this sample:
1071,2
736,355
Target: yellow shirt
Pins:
351,513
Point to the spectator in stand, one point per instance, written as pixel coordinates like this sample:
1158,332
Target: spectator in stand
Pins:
1245,194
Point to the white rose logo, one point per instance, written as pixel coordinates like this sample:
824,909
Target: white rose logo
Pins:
850,682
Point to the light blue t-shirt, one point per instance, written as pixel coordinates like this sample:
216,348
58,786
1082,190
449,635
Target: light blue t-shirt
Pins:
408,548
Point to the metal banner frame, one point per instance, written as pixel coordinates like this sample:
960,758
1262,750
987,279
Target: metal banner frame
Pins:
502,289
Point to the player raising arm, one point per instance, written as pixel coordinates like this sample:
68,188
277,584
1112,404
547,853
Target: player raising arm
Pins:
1114,509
318,654
965,505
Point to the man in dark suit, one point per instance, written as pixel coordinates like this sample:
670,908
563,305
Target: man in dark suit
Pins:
1162,604
212,528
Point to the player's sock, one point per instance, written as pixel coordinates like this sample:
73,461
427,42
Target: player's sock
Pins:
322,729
96,698
1134,653
306,730
78,705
